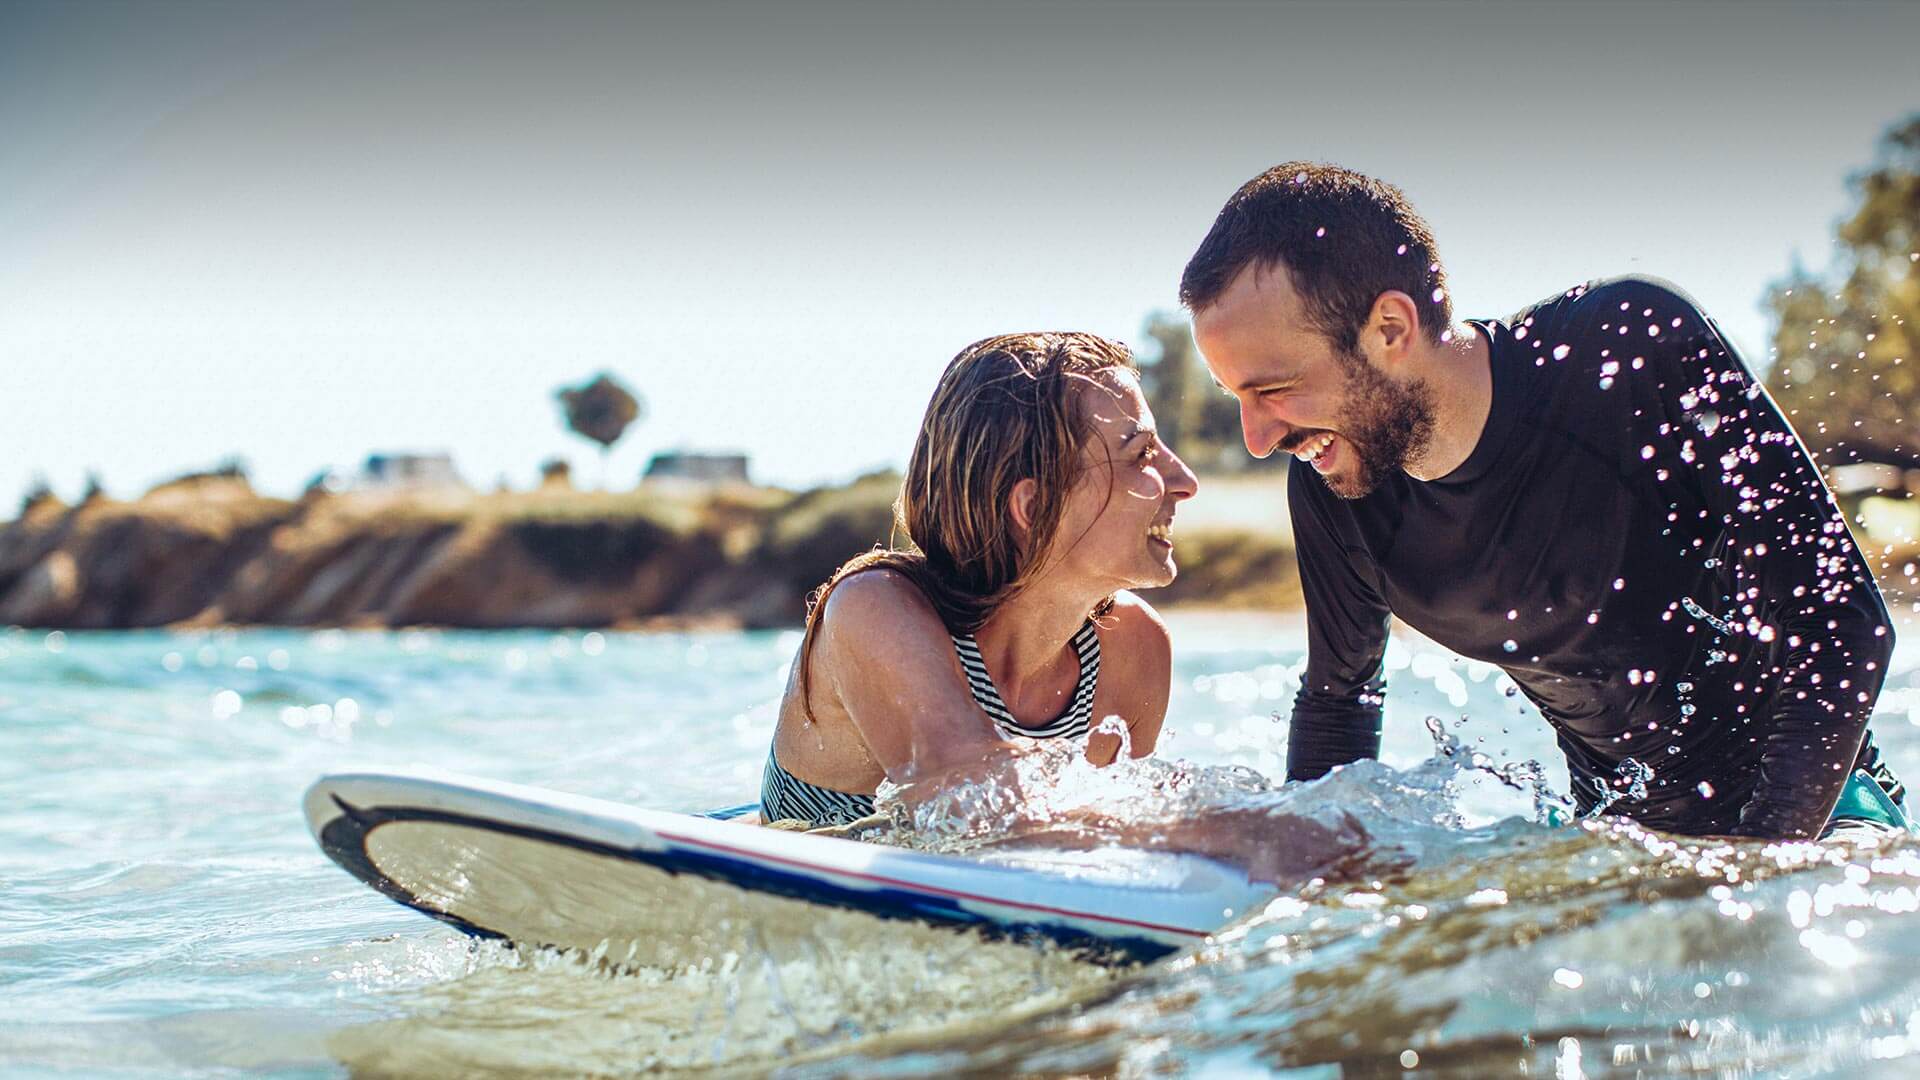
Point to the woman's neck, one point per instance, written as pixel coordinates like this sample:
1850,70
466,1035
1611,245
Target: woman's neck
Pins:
1024,639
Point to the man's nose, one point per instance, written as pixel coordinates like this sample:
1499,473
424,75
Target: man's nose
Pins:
1261,433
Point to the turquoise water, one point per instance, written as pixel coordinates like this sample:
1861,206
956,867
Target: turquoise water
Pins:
163,911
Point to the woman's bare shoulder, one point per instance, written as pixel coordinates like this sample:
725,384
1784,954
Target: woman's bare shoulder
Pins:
879,605
1133,627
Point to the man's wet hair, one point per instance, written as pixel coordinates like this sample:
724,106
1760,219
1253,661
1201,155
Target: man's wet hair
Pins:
1344,238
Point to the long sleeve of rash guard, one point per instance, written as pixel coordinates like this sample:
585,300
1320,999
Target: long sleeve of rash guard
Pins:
1337,712
1801,594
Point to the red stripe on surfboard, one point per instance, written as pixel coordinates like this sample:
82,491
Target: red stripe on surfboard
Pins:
916,886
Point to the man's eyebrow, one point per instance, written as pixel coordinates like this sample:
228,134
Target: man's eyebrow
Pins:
1278,378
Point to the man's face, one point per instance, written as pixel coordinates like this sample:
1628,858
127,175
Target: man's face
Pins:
1353,422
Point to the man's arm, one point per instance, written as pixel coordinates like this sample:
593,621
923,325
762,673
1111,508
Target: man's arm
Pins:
1802,593
1337,713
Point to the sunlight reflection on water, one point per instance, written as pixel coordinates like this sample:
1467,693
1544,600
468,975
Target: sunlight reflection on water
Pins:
169,890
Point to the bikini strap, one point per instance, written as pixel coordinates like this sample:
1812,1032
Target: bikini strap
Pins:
1076,720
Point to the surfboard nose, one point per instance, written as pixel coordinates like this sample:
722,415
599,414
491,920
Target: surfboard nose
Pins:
318,805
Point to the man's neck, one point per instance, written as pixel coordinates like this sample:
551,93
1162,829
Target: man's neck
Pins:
1459,371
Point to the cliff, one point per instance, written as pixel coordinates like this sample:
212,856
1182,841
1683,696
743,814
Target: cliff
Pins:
210,551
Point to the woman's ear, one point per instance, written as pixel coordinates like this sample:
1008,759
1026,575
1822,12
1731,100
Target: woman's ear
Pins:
1020,507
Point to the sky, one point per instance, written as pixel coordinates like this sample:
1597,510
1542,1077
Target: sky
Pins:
302,233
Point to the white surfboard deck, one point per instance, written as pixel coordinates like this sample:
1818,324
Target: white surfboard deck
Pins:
653,888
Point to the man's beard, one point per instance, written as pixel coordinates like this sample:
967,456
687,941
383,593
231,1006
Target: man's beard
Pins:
1386,424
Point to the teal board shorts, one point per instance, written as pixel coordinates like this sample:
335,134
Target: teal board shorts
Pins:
1864,803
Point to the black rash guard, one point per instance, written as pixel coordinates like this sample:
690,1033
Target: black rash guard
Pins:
1640,541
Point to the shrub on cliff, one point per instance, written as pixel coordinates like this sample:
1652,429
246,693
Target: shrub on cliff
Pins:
820,529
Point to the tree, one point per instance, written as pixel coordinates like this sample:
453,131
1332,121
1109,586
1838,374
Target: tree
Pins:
1201,423
601,410
1847,366
41,493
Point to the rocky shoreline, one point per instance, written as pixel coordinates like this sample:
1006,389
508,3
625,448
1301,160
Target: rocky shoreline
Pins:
209,551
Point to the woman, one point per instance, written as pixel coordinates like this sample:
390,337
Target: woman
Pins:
1037,494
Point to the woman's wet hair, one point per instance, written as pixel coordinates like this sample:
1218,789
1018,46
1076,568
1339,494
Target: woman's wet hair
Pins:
1005,410
1344,238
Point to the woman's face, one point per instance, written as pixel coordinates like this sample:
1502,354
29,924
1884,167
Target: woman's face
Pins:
1116,528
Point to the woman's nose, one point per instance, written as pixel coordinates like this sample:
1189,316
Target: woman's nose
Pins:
1181,481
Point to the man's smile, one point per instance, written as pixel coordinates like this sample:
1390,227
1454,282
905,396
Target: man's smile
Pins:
1316,451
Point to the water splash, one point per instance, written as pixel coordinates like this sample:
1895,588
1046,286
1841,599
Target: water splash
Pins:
1527,776
1694,609
1366,817
1630,780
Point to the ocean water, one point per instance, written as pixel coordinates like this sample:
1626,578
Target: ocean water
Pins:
163,911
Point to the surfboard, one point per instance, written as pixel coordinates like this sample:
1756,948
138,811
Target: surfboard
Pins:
655,888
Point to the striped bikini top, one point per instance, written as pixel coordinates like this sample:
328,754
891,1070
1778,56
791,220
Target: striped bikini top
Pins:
786,796
1078,717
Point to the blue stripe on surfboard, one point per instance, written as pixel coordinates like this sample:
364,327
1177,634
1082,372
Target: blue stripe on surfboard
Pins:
344,839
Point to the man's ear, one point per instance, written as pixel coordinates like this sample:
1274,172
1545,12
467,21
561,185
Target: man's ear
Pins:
1392,327
1020,507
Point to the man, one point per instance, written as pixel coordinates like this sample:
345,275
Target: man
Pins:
1595,494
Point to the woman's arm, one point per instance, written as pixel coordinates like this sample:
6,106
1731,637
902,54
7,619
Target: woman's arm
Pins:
1137,653
888,658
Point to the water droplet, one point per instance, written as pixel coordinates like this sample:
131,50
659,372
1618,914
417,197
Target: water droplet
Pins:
1510,645
1560,351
